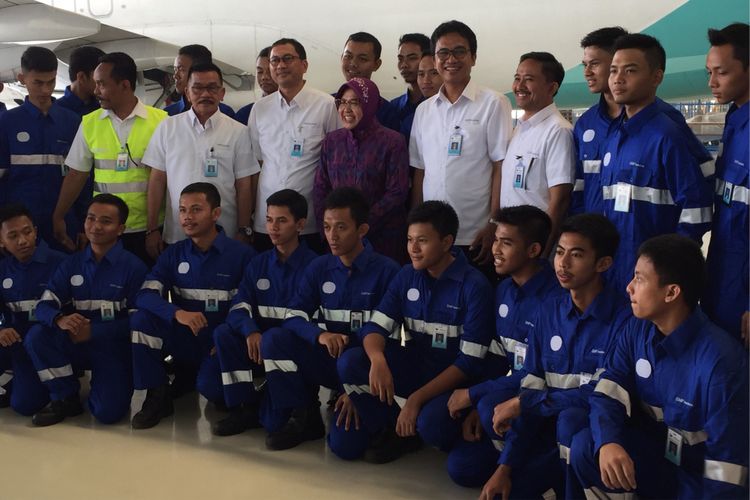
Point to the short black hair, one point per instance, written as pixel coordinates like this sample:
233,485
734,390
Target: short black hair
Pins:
13,210
439,214
351,198
650,46
206,67
552,70
298,47
532,222
109,199
123,67
38,59
364,37
84,59
677,260
454,27
418,38
596,228
197,53
295,202
264,52
604,38
212,193
736,35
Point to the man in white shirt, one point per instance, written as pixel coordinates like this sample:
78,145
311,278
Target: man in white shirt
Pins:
458,143
287,129
201,145
540,166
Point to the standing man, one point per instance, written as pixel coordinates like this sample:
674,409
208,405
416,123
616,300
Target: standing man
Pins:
411,48
458,143
202,144
186,57
651,182
111,141
428,78
541,167
79,95
265,82
726,298
287,129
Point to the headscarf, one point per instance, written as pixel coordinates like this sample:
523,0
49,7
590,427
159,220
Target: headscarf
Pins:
369,98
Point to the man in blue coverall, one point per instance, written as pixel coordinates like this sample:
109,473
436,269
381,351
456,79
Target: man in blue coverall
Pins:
521,234
727,296
445,306
24,275
267,287
79,95
335,297
202,272
83,321
669,415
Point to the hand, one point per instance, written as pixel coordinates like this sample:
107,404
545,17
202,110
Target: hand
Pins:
458,401
505,412
196,321
745,328
8,337
381,380
154,244
72,323
472,427
616,467
253,347
81,241
483,241
406,424
334,342
82,335
347,412
498,484
60,231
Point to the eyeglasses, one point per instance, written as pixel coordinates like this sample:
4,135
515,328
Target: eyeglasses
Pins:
287,59
459,53
211,89
351,104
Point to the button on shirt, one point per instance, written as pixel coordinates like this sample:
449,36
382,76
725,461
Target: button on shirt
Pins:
181,146
542,149
483,119
286,138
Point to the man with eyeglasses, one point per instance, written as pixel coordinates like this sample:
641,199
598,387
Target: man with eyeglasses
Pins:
287,129
206,145
458,141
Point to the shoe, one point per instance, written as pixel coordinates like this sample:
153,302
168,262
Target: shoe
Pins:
57,410
387,446
240,419
157,405
305,424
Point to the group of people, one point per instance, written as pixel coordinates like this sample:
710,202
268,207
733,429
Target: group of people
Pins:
353,243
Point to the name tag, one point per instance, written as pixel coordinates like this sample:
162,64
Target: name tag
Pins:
673,451
212,303
455,144
107,310
32,313
121,164
519,357
297,148
727,193
440,336
519,175
211,168
355,320
622,198
64,169
584,379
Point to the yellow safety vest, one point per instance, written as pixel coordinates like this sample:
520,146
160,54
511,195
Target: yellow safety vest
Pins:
129,185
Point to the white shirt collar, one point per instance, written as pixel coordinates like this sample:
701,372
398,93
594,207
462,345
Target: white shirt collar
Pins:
138,110
539,116
195,122
470,92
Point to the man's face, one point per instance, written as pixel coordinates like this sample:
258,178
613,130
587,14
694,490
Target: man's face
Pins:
727,79
205,91
510,251
576,264
102,225
358,59
647,297
18,237
631,80
531,88
454,68
425,246
596,64
182,64
409,55
196,216
263,76
287,69
39,84
341,231
281,226
428,78
109,92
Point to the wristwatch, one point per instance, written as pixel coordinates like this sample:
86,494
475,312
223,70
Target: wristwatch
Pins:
246,230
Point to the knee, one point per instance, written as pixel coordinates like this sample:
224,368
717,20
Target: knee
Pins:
468,469
349,365
569,422
274,342
221,335
436,428
347,445
36,336
112,409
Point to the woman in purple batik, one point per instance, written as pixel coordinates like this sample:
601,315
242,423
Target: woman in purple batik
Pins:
366,155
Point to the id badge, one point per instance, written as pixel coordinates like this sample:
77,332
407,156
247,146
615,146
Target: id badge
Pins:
727,193
211,168
212,303
64,169
519,357
519,175
107,310
673,451
584,378
355,320
454,145
622,198
121,164
440,337
32,313
297,148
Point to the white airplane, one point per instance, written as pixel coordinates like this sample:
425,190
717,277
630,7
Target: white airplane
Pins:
235,30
